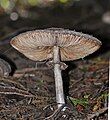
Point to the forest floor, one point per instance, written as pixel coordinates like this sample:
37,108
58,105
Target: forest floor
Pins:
29,93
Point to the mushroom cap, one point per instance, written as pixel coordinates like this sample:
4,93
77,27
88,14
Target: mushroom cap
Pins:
38,45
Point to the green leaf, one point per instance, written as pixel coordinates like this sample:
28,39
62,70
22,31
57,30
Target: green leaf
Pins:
63,1
84,102
33,2
39,82
5,3
105,95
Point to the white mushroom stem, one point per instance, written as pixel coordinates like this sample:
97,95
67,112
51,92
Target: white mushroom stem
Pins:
58,77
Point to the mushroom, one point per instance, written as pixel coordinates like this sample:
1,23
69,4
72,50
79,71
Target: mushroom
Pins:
5,68
57,44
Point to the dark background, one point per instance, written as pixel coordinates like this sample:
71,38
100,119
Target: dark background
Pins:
92,17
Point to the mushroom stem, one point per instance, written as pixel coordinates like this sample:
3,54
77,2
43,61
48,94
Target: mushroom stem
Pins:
58,78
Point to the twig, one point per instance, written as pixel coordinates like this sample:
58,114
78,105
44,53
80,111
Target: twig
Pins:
74,83
54,115
44,109
13,82
98,113
12,90
20,73
103,88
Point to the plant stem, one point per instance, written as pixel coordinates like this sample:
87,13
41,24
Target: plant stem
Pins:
58,78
